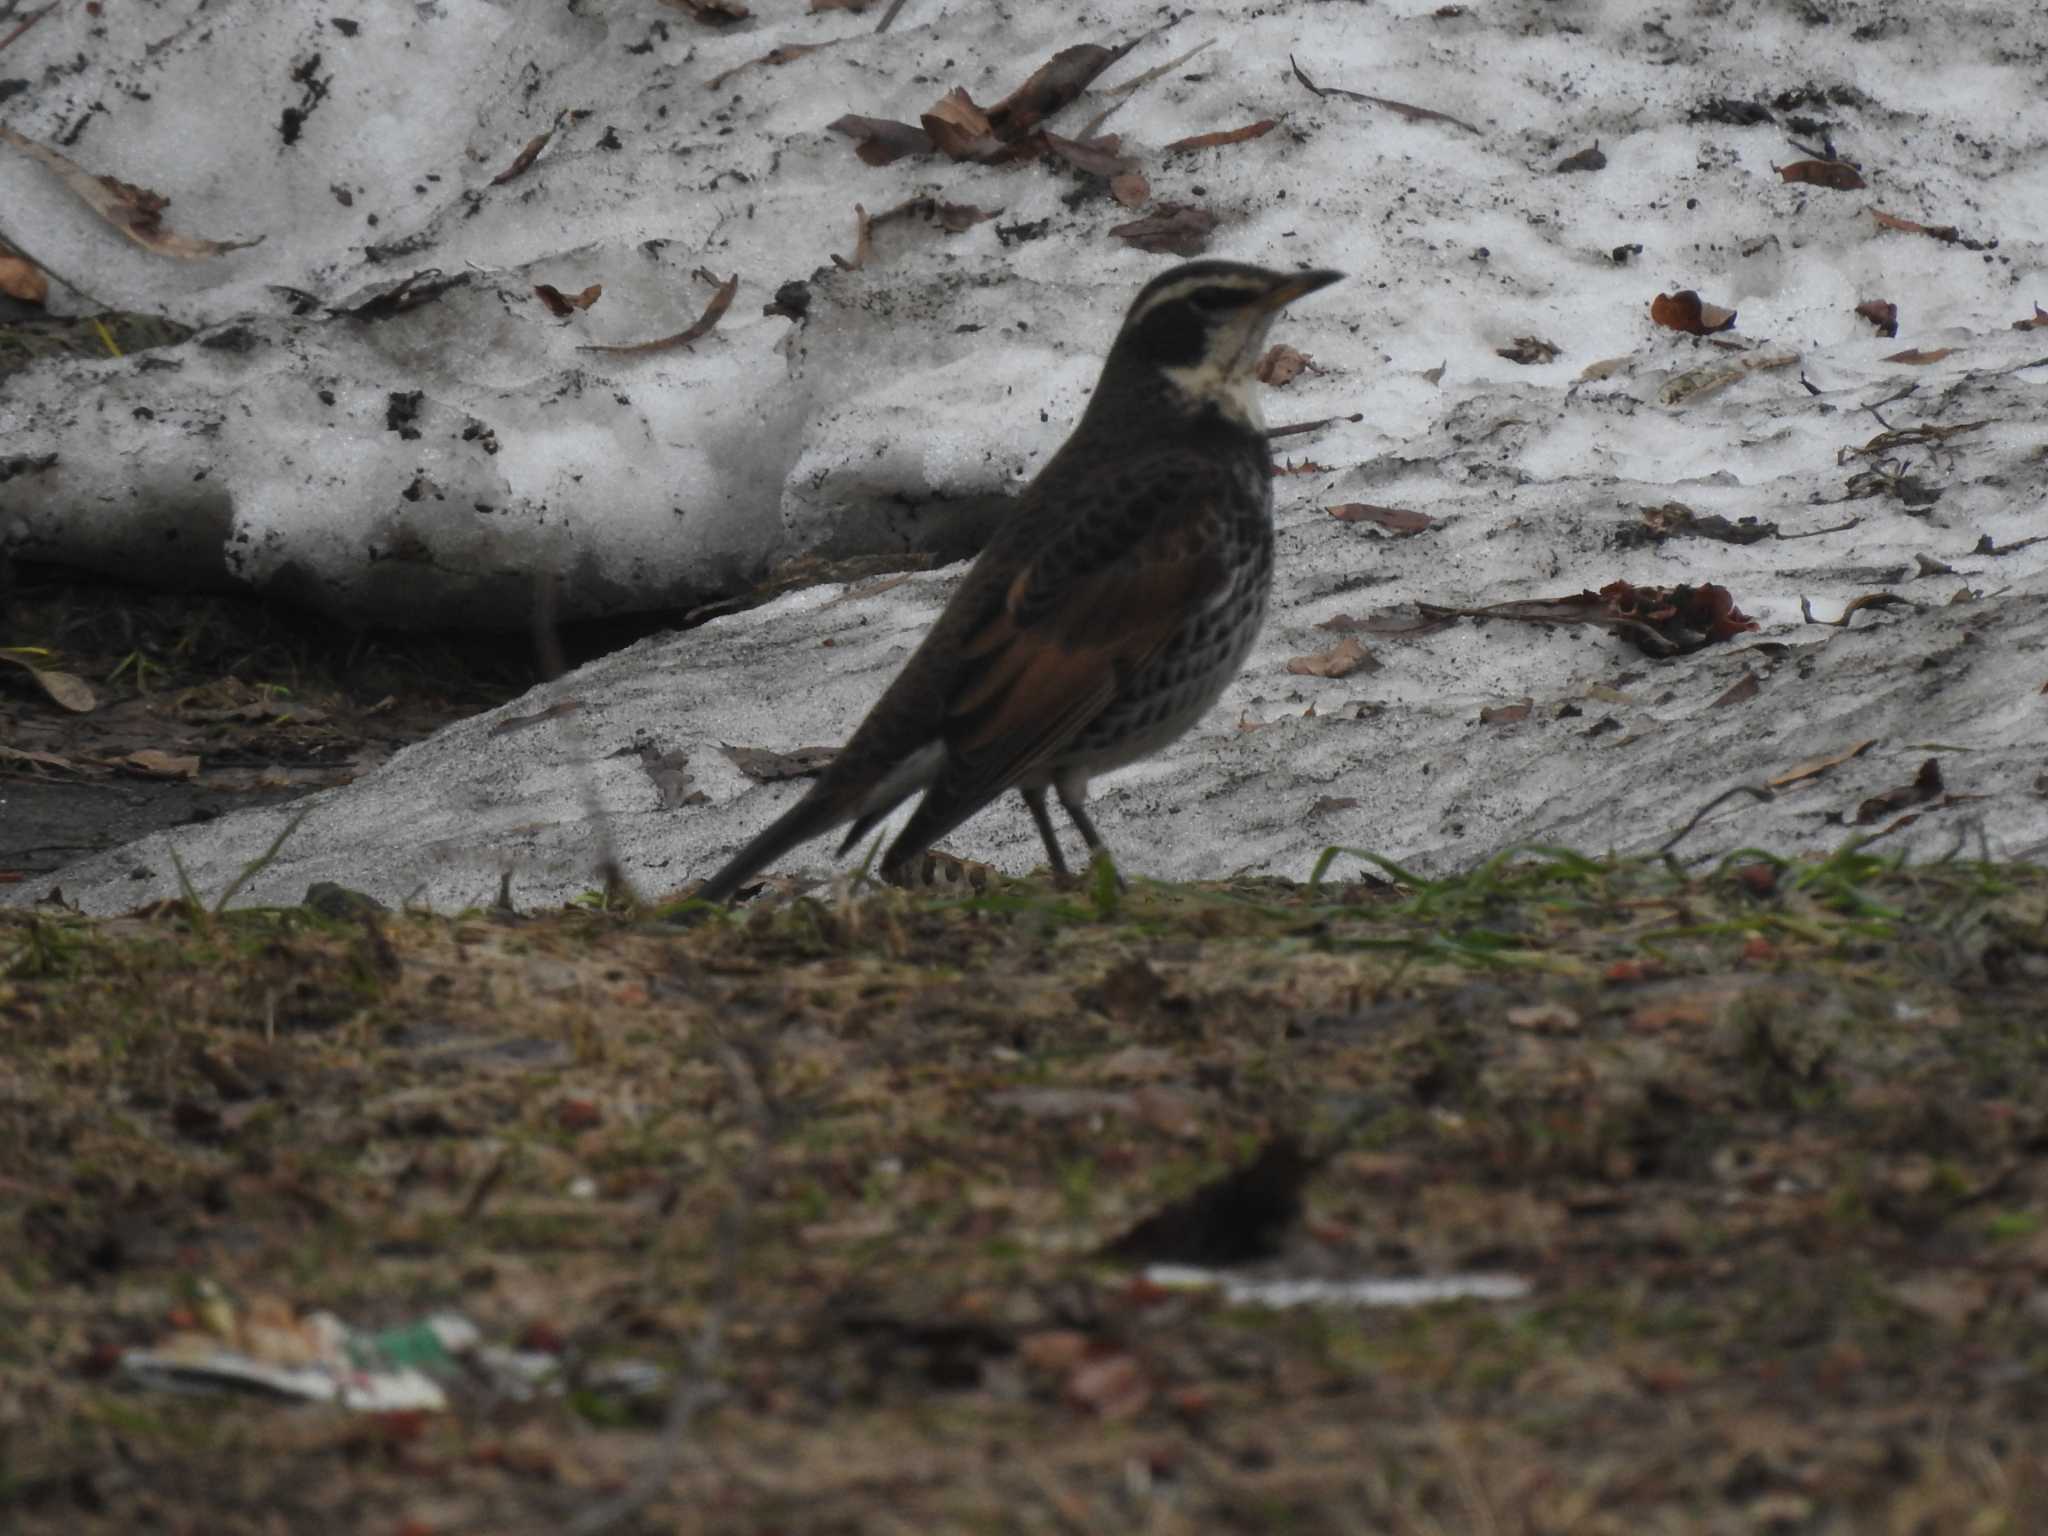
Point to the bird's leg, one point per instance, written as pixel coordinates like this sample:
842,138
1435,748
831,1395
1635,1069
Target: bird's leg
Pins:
1035,798
1074,801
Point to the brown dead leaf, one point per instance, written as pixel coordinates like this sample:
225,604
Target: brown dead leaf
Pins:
1814,767
1347,656
154,764
135,211
1745,688
881,140
1281,365
1587,159
1926,786
523,161
1916,356
1506,714
1050,87
1946,233
721,300
2039,322
62,688
1398,521
1223,136
1175,229
713,13
1102,156
1529,350
562,305
22,279
1130,189
959,129
1328,804
1684,311
1881,313
767,767
1838,174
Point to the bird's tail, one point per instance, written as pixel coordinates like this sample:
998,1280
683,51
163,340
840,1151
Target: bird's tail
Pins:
845,793
818,812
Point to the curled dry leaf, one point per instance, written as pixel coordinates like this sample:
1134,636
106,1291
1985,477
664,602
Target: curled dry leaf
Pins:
21,279
1854,606
881,140
1588,159
562,305
2039,322
959,129
1328,804
1506,714
1881,313
63,689
1130,189
1926,786
1398,521
721,300
1097,157
1915,355
1347,656
1684,311
523,161
1675,518
1176,229
1256,130
1529,350
1838,174
1051,86
1281,365
135,211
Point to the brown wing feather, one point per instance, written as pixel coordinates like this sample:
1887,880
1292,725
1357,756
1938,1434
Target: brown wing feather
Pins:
1051,659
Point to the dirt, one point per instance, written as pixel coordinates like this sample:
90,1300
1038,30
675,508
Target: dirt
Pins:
1765,1145
201,704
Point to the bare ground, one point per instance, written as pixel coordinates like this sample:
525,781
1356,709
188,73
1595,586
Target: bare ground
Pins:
1766,1144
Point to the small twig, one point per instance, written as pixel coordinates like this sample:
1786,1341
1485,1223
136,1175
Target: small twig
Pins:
1295,427
888,16
1754,791
1413,113
474,1205
28,22
1124,88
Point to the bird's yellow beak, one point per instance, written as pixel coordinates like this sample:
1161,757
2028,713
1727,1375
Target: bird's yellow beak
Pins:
1295,285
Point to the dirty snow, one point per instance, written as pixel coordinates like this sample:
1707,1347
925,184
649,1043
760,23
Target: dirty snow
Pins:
946,370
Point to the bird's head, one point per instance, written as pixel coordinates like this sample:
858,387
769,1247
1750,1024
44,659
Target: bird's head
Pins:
1200,329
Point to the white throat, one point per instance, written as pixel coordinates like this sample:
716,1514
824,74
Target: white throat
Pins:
1227,386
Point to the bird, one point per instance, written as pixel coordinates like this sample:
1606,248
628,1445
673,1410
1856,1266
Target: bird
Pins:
1112,606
